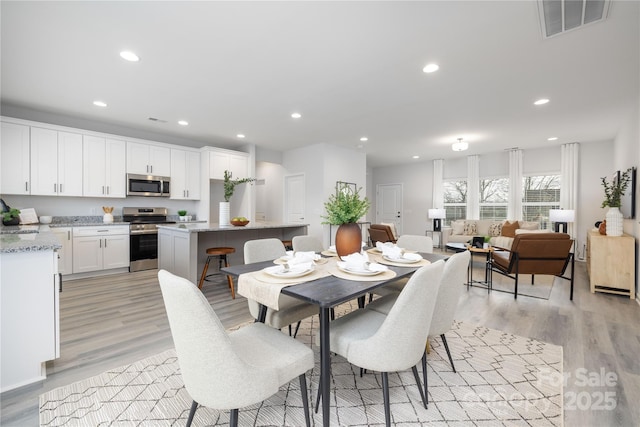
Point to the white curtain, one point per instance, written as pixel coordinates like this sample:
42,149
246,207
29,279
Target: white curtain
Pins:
514,209
569,178
438,189
473,187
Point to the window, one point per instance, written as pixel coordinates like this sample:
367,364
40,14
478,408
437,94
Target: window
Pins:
455,200
494,194
539,194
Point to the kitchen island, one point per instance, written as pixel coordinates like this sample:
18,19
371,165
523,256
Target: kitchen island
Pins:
182,247
29,304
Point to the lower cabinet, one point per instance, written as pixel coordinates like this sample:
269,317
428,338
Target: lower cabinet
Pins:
611,263
65,254
100,248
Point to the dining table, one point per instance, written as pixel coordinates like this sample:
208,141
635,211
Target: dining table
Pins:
327,292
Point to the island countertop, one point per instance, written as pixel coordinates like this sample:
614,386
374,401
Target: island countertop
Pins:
210,226
28,241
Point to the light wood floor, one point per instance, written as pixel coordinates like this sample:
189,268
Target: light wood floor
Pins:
111,321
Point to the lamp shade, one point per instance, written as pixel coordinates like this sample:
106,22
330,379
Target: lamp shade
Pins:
562,215
437,213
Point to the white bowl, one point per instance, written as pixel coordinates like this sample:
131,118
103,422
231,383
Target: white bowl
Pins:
46,219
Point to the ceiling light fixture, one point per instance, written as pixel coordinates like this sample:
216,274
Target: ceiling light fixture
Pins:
99,104
364,139
183,123
430,68
460,145
553,138
129,56
296,115
240,135
415,157
541,101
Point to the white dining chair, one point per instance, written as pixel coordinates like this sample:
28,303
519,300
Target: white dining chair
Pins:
228,371
395,341
306,243
292,310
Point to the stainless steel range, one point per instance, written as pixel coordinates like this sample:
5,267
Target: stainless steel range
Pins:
143,240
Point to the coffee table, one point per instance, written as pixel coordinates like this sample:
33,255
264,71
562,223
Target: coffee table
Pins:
456,247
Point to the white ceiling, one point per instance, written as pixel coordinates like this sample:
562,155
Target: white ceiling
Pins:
351,69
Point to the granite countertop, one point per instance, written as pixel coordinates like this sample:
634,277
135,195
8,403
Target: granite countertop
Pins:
207,226
28,240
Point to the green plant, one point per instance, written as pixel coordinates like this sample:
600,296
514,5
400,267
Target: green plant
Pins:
10,214
487,239
230,184
614,189
346,206
182,212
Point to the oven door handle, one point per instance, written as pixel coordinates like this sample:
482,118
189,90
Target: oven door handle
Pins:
135,232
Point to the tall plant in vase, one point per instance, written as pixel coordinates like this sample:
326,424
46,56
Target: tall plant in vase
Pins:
613,192
345,208
229,188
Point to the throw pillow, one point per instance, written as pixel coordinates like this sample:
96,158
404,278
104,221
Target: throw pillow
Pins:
495,229
509,228
457,227
529,225
470,228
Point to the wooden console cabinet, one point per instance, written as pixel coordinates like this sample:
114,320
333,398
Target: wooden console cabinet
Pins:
611,263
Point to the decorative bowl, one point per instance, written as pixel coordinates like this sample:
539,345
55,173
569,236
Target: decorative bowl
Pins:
45,219
239,223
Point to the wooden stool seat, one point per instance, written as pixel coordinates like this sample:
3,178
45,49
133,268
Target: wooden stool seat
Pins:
220,253
288,244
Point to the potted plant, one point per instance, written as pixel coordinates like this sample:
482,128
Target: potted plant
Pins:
613,191
182,214
345,208
11,217
229,188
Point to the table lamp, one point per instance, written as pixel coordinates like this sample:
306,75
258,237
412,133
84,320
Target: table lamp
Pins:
561,217
437,215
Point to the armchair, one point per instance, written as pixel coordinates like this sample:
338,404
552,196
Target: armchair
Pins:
381,233
546,253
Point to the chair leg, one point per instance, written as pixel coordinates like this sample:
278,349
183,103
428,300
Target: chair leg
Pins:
417,378
385,397
204,272
289,330
305,399
424,374
532,279
446,347
233,419
318,399
192,412
295,333
229,279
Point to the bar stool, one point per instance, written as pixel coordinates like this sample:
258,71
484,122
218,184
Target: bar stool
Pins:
221,255
288,244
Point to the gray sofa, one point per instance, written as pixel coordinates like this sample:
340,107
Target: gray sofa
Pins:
463,231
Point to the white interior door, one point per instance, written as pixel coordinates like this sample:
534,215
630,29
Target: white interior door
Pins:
294,196
389,205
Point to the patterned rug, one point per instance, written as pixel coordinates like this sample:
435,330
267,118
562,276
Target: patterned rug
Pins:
502,379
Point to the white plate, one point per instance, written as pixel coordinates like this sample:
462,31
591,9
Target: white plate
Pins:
401,260
342,267
276,271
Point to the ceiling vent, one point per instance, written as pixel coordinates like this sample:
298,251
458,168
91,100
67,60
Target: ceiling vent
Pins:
560,16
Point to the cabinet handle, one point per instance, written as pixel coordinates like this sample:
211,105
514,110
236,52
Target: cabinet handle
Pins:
61,188
107,189
100,243
103,189
26,186
68,235
55,187
105,243
187,193
151,167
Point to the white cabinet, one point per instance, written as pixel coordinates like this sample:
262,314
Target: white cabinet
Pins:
104,171
56,163
65,254
148,159
234,162
185,174
14,159
100,248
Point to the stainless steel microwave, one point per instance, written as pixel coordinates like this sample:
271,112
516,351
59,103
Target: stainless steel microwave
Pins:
148,185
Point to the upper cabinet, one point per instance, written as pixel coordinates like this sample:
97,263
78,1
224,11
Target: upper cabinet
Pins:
56,163
148,159
185,174
14,159
104,172
234,161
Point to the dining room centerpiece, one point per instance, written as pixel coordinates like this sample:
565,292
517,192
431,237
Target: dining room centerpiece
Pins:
344,209
614,189
229,188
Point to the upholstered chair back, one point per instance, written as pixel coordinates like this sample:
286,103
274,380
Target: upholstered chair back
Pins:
416,243
454,277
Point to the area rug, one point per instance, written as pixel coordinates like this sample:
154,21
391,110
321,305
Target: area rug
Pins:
502,379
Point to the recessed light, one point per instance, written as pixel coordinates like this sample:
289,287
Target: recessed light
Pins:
430,68
541,101
183,123
240,135
296,115
129,56
99,104
415,157
553,138
364,139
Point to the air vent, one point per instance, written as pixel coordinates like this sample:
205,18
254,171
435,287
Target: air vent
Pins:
560,16
153,119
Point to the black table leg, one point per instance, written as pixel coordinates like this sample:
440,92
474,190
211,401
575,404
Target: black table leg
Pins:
262,314
325,364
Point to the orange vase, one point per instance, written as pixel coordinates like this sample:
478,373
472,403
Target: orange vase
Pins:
348,239
603,227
